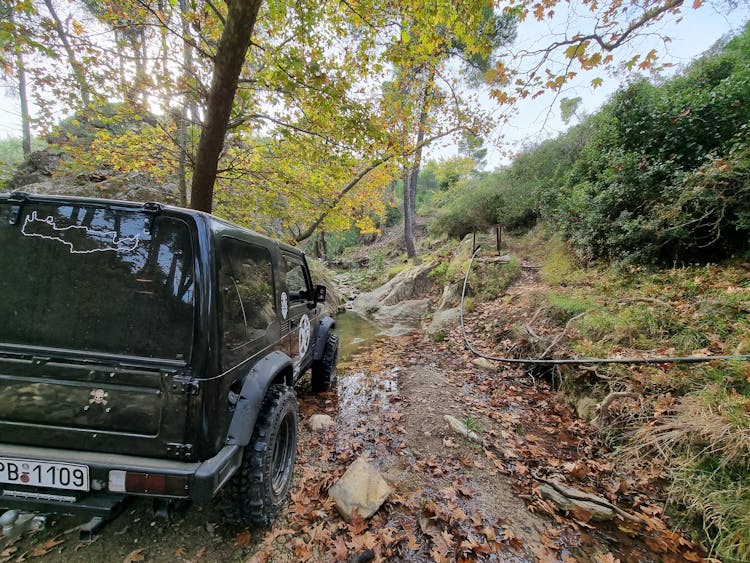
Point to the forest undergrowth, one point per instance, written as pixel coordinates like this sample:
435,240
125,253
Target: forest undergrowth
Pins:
684,428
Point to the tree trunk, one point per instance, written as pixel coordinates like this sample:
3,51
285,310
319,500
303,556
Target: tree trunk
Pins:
411,174
230,55
323,246
187,70
164,32
25,118
411,251
136,37
120,42
74,63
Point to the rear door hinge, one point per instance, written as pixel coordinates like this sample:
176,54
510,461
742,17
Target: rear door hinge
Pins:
186,384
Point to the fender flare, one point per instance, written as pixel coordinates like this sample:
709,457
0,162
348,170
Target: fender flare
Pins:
276,367
326,324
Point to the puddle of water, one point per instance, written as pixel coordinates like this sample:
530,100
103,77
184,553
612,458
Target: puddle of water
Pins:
354,332
362,394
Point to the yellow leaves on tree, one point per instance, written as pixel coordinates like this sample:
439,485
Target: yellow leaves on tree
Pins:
148,149
291,181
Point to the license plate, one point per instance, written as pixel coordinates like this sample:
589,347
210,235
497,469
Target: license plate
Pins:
44,474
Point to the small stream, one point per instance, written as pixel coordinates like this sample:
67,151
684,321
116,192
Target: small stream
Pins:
361,395
354,332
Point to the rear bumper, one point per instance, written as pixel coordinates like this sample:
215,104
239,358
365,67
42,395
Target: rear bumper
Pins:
205,478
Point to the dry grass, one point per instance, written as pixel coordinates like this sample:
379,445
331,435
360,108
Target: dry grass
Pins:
714,422
704,445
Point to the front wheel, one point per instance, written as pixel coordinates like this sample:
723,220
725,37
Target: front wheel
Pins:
255,494
324,370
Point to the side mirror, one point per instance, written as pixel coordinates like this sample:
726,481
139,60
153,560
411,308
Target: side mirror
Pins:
320,293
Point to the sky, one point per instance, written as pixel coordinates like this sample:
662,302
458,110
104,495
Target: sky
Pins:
536,120
540,119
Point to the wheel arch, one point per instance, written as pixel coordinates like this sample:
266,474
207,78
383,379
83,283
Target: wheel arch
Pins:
275,368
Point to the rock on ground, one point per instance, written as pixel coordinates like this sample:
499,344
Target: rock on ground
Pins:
461,428
320,422
562,497
410,284
361,488
485,364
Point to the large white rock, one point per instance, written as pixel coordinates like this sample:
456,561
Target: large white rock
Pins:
443,320
361,488
409,285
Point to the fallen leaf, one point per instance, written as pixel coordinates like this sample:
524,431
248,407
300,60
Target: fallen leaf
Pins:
578,470
466,460
243,539
357,524
412,543
301,549
449,443
135,556
46,547
607,558
340,551
180,552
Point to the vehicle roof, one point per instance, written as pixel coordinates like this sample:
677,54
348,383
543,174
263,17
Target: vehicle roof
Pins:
214,223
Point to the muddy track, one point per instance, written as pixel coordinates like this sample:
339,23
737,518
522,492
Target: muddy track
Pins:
452,499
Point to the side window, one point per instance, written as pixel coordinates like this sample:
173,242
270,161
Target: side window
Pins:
296,284
246,286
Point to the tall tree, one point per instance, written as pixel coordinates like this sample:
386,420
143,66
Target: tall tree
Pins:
228,61
22,94
75,64
470,33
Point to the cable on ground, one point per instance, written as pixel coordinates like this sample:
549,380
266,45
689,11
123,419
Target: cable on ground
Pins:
582,361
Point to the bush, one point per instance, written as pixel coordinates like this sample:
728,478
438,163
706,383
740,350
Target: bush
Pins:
489,200
665,177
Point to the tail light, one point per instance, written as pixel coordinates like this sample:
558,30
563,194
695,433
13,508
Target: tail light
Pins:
148,483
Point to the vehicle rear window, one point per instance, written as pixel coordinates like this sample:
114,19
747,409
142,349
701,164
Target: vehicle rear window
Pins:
98,279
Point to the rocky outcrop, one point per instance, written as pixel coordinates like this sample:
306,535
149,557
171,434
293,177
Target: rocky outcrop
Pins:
134,186
443,320
401,299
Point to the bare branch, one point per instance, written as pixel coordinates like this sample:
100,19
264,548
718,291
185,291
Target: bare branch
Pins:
361,175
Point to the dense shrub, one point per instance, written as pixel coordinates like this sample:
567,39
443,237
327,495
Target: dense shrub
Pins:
491,199
511,197
666,175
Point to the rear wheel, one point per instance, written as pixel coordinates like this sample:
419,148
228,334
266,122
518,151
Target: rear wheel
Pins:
324,369
255,494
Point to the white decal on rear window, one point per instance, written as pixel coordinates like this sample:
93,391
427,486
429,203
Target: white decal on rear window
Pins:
98,241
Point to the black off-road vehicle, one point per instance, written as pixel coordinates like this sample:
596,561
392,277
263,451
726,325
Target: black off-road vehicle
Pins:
150,350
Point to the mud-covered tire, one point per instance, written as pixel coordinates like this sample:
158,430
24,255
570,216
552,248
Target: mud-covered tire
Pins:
257,491
324,370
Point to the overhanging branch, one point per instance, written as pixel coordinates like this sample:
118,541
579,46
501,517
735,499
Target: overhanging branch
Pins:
304,234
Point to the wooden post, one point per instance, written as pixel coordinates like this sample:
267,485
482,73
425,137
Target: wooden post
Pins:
498,237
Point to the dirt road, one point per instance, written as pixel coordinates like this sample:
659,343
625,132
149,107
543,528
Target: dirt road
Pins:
452,499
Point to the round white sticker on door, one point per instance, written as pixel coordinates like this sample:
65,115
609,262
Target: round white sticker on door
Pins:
284,305
304,335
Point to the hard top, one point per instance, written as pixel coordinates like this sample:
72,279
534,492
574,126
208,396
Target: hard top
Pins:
214,223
